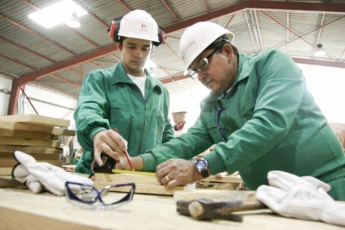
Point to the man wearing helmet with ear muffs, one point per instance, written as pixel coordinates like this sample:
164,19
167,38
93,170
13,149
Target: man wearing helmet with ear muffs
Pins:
259,115
123,107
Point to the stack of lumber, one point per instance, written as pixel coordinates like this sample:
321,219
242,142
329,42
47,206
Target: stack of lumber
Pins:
33,134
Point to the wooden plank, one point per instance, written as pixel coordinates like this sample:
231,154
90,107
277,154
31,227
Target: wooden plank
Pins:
9,182
144,184
216,195
37,156
30,149
36,119
63,132
6,171
118,171
25,126
151,189
22,209
28,142
13,162
27,134
223,179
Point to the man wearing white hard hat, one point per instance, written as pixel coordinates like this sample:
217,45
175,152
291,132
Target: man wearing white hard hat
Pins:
259,115
179,118
123,107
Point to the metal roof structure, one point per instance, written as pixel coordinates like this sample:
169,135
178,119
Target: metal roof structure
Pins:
58,59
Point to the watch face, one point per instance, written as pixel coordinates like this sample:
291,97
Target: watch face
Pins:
201,164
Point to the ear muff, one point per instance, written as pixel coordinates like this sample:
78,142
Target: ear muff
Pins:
113,29
161,37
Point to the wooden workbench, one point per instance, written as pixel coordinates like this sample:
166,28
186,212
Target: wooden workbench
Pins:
21,209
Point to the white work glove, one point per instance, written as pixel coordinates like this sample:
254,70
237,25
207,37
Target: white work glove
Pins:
39,175
300,197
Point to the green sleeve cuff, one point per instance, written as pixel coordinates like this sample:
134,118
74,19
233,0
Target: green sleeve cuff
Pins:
150,163
95,131
215,163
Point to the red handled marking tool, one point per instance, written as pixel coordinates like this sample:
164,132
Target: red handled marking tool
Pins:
126,154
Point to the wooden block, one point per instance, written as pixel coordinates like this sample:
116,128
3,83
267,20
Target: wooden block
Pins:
63,132
144,184
9,182
223,179
30,149
69,168
27,134
36,119
13,162
216,195
37,156
24,126
5,171
27,142
124,178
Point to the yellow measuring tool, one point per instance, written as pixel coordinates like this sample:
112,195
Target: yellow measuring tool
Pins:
118,171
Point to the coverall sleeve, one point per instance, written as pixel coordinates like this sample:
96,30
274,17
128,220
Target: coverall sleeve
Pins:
168,132
194,142
91,113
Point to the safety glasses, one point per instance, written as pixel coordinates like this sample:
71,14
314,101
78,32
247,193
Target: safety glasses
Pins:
89,197
201,65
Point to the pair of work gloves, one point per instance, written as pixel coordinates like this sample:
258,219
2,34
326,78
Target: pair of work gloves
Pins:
38,176
300,197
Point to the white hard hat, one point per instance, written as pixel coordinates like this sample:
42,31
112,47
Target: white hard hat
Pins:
139,24
198,37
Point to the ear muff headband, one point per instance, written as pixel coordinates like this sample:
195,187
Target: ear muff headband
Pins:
114,28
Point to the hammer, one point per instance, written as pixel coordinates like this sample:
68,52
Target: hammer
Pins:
204,209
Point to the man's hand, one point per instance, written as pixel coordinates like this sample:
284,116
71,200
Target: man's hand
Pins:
110,143
176,172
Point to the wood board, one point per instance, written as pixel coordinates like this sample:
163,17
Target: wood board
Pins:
216,195
41,156
22,209
9,126
63,132
36,119
13,162
144,184
27,142
5,171
27,134
30,149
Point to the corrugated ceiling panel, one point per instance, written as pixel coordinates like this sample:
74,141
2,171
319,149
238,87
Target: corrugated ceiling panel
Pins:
272,29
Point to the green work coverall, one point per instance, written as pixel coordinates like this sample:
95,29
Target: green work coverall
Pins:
110,99
271,122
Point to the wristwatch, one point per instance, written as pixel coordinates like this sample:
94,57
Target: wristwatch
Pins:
201,166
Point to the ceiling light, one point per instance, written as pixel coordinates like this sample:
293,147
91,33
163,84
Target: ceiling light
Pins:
57,14
319,52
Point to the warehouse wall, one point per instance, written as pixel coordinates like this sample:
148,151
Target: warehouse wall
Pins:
5,90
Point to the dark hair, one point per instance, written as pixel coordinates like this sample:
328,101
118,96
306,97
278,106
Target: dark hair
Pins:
219,43
122,38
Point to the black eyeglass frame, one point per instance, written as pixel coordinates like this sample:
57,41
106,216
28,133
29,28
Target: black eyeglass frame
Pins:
74,199
193,72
